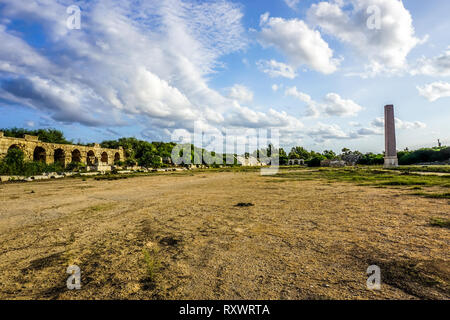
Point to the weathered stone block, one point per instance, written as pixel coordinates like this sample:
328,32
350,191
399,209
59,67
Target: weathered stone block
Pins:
31,138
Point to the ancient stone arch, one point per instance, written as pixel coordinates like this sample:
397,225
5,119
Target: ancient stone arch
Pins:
39,154
293,162
76,156
117,157
104,157
59,156
91,158
14,146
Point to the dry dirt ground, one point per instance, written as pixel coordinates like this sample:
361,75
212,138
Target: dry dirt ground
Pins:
300,239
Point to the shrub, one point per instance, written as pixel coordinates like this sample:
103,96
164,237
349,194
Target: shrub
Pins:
74,166
13,163
130,162
315,161
424,155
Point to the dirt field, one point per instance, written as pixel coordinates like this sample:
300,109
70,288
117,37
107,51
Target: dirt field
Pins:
181,236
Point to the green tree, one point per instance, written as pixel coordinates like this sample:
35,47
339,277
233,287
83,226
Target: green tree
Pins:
329,154
283,157
44,135
315,160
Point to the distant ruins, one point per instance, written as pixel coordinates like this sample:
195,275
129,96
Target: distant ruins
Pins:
49,153
390,156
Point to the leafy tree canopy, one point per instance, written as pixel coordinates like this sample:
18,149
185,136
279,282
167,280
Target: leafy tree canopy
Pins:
45,135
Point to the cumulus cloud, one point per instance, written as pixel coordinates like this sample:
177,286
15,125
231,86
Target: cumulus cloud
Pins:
293,92
399,124
437,66
323,132
301,45
336,106
245,117
385,48
332,105
435,90
276,69
312,107
240,93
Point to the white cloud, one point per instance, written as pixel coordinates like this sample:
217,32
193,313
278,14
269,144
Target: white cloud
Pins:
245,117
293,92
300,44
399,124
354,124
276,69
30,124
324,132
292,4
276,87
240,93
369,132
378,122
386,48
13,62
435,90
336,106
409,125
312,107
332,105
437,66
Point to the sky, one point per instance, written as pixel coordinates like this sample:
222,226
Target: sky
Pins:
320,72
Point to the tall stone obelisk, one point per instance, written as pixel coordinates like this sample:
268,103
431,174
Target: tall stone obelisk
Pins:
390,156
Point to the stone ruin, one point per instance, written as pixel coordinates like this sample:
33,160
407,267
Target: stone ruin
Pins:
94,157
390,156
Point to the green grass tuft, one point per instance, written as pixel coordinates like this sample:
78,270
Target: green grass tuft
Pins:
445,195
152,264
440,222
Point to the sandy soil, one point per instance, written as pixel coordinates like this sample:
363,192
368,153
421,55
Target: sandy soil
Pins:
300,240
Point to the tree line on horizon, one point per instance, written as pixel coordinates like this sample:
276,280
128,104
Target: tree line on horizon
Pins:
151,154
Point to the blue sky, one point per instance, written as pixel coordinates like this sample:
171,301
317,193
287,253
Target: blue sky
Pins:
314,70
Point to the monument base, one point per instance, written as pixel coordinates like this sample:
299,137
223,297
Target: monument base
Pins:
390,162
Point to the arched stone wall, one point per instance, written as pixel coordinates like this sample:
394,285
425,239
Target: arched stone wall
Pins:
28,145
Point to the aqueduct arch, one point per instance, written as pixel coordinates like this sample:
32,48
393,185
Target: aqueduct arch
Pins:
91,158
104,157
76,156
39,154
49,153
59,157
14,146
